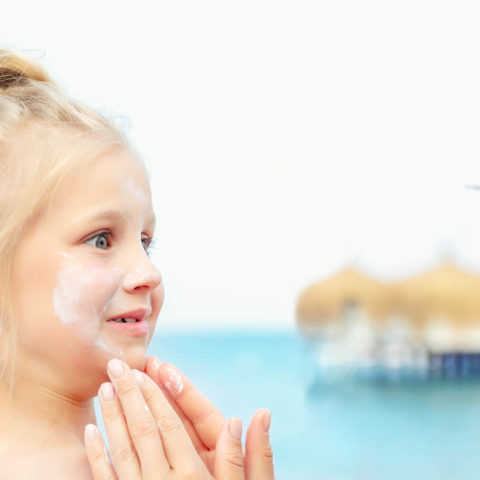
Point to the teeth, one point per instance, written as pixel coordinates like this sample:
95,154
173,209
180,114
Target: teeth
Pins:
125,320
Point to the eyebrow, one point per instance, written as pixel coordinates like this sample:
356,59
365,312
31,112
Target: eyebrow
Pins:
117,215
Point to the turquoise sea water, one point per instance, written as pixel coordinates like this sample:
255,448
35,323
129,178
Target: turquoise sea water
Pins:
333,430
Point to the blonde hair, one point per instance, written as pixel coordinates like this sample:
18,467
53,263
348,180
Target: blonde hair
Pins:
44,135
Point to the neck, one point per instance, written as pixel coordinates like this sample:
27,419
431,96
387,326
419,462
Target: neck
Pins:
40,416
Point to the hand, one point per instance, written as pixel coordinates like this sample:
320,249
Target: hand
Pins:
204,423
147,438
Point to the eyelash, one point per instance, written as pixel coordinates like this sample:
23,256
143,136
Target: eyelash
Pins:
151,242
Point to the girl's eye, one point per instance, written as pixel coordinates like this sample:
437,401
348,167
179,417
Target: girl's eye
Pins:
148,244
99,240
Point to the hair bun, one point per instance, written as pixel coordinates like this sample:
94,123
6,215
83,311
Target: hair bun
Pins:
17,70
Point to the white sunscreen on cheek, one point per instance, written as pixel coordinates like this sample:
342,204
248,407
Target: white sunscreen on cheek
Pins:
81,297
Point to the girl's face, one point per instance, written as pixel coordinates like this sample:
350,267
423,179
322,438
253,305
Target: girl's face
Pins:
82,263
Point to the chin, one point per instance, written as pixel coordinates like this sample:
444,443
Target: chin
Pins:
135,357
95,374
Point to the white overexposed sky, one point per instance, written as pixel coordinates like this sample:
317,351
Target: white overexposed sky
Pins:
286,138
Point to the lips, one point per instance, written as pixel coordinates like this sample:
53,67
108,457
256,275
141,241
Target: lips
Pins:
138,328
139,315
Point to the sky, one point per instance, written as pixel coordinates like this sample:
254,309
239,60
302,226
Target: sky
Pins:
286,139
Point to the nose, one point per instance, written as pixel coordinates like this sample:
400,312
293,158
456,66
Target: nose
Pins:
144,274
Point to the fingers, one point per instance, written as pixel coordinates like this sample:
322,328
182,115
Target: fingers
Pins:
257,463
151,368
123,454
203,415
229,464
135,442
178,446
258,452
97,455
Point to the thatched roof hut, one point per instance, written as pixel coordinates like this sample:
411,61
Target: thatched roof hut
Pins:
445,293
324,301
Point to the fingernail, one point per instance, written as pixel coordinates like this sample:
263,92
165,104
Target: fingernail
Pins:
267,418
90,432
106,391
171,379
138,377
115,367
235,428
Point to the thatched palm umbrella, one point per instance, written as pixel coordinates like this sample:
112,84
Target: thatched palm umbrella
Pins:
323,302
446,292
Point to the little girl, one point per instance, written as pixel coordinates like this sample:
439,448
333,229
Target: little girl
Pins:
79,300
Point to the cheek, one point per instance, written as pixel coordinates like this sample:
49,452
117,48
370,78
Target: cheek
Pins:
157,299
82,296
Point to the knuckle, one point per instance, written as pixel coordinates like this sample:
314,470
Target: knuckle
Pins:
149,395
96,457
169,424
103,476
142,428
111,413
205,416
235,460
127,389
121,453
268,455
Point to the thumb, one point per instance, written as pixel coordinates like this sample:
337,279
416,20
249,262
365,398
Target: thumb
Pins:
258,451
229,454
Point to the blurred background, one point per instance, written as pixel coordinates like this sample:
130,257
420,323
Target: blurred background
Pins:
313,166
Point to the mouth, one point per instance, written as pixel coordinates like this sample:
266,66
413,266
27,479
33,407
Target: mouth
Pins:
133,322
124,320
